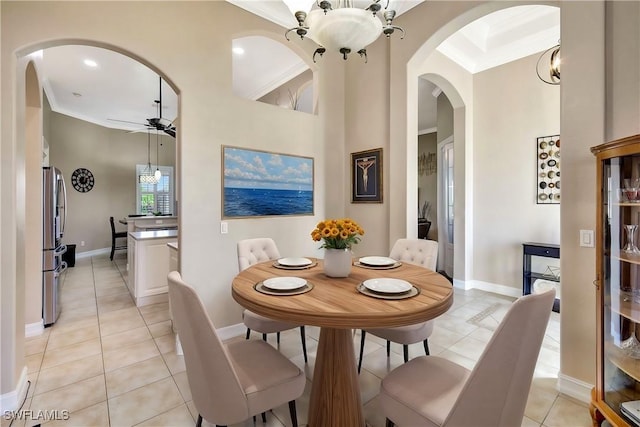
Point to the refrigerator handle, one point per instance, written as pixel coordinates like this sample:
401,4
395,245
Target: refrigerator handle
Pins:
64,193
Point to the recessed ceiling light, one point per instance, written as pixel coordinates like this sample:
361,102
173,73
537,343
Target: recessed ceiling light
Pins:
238,50
90,63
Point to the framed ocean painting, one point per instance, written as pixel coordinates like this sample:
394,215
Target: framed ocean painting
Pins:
263,183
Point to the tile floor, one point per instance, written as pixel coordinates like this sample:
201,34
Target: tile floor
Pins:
109,363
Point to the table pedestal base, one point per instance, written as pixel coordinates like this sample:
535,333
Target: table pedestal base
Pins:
335,393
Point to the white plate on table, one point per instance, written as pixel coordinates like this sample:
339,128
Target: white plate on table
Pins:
388,285
295,262
377,261
284,283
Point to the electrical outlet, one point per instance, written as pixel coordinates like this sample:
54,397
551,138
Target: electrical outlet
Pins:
82,243
224,227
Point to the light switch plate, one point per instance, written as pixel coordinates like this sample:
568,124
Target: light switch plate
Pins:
224,227
586,238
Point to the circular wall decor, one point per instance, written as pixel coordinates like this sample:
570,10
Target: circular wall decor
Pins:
82,180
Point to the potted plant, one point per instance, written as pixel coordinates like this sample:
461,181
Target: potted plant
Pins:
424,224
337,235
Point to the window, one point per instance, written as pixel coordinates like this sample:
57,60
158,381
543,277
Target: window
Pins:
155,197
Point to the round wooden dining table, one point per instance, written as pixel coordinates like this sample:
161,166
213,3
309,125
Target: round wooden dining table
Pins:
337,307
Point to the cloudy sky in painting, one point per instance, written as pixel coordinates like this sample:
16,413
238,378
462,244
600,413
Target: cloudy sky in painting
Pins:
258,169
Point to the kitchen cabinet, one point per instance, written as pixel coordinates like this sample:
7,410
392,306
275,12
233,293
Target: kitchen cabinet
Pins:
148,253
616,396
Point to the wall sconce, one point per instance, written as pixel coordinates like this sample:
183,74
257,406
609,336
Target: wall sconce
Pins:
552,56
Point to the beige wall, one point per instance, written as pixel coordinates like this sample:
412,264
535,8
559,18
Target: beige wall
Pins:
281,95
512,108
111,155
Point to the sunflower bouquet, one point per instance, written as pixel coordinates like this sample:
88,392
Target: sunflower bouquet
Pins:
337,233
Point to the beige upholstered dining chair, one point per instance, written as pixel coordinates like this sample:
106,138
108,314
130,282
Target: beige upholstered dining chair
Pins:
229,383
432,391
414,251
250,252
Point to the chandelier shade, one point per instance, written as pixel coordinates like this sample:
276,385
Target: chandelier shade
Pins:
548,66
349,28
341,28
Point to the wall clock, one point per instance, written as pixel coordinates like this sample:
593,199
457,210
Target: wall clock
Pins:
82,180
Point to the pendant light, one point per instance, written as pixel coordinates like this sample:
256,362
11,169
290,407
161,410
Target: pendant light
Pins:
147,176
157,174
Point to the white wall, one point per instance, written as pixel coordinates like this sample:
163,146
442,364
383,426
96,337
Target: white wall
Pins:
512,108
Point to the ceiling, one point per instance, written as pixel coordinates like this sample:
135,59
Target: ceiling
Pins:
120,88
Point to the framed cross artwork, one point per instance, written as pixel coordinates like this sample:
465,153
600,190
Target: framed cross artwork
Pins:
366,176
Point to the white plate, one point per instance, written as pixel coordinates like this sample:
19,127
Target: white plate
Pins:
284,283
294,262
377,261
387,285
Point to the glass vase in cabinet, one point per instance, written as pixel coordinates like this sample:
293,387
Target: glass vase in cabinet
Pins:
616,396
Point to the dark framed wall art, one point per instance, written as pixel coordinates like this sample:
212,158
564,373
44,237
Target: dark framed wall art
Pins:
548,170
262,183
366,176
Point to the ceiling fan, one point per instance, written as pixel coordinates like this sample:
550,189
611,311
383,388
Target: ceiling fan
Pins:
158,123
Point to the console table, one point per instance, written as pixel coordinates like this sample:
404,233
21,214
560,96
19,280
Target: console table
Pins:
547,250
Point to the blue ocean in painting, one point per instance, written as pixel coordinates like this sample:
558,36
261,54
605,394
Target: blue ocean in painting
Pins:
260,201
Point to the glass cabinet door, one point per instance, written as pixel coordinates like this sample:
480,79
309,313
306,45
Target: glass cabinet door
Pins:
621,284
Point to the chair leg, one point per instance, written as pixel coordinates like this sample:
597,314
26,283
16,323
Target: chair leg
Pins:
199,422
292,412
426,347
278,337
362,338
248,334
264,418
303,338
388,348
405,352
113,249
264,337
389,423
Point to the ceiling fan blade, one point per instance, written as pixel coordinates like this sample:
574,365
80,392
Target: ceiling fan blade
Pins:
127,121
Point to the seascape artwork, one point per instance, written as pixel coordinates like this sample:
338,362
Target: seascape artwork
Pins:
261,183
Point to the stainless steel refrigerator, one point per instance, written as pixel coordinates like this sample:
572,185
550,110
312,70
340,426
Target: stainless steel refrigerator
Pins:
54,202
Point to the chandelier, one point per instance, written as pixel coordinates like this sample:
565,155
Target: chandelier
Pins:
553,55
343,29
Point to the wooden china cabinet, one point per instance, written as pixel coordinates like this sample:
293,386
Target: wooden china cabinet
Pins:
616,396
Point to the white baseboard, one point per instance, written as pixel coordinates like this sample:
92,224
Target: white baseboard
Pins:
231,331
34,329
575,388
94,252
11,401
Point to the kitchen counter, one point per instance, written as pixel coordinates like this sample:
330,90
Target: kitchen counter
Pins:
142,223
154,234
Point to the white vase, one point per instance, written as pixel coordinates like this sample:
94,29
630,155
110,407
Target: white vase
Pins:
337,262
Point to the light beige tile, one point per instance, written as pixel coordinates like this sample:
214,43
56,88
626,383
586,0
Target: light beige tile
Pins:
183,385
174,362
125,323
115,290
468,347
539,403
115,359
70,353
136,375
35,346
568,412
177,417
156,316
144,403
119,315
73,397
166,343
75,336
34,362
126,338
161,328
79,303
95,416
86,314
58,328
114,302
69,373
528,422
